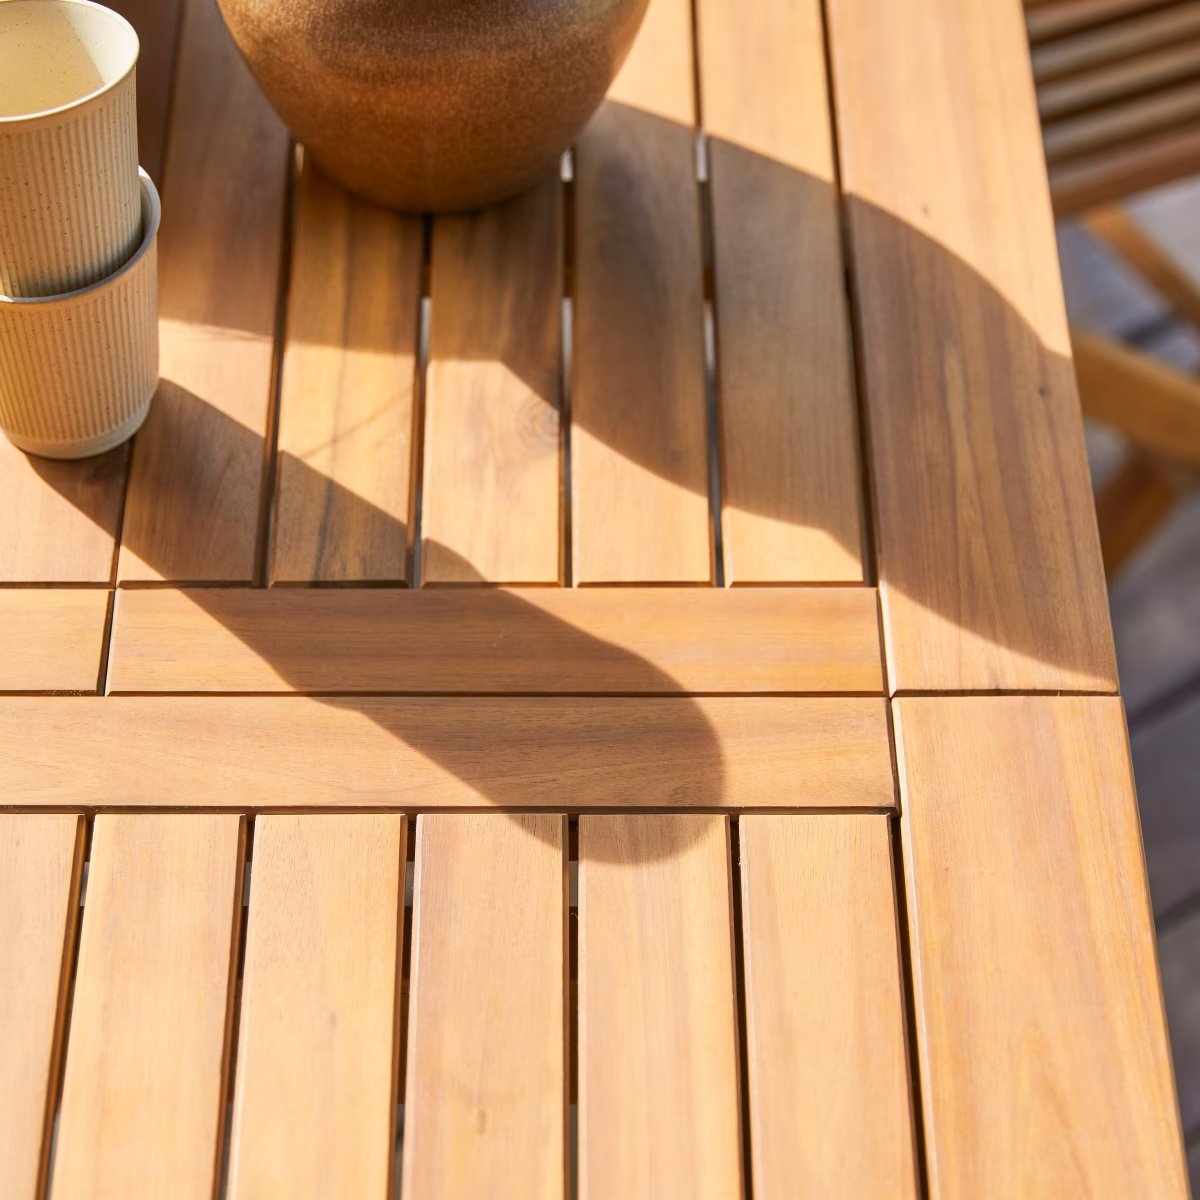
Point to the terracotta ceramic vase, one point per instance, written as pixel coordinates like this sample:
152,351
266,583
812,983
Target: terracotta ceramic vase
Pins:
434,104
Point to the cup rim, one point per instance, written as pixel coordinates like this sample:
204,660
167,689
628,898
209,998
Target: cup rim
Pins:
43,114
151,218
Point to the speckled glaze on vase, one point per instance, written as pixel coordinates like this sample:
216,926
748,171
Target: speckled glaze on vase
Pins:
434,105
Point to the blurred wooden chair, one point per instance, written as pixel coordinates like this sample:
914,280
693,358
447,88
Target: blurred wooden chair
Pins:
1118,88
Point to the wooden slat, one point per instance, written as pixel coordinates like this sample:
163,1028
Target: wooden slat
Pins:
1131,505
639,443
658,1075
1153,405
157,25
315,1106
52,639
1140,117
201,449
58,520
551,752
1047,19
649,640
830,1111
986,539
143,1096
485,1101
1118,40
41,861
346,400
1112,174
1044,1059
791,484
492,476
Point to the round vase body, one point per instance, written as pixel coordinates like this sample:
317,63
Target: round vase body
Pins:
434,105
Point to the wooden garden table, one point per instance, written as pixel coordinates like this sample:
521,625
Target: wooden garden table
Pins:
612,695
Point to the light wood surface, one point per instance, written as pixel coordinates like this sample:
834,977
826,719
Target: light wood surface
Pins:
201,449
791,483
485,1101
639,439
649,640
658,1071
60,517
144,1091
492,478
986,540
1154,406
830,1109
552,752
41,861
1044,1062
346,399
52,639
315,1104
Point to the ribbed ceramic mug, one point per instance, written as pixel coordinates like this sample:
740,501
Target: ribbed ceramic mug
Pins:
78,371
70,210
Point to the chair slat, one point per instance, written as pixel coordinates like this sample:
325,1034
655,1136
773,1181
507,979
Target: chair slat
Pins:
789,426
990,578
493,474
485,1099
658,1075
315,1102
1033,947
41,862
1049,19
1141,117
346,398
144,1087
639,439
828,1071
201,449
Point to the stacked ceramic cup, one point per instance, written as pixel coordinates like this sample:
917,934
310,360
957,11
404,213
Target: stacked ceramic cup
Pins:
78,223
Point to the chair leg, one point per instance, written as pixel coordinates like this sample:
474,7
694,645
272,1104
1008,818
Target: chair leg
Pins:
1130,506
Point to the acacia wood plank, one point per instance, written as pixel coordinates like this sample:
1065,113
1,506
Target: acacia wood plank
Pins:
1044,1058
545,752
53,640
192,509
988,556
58,520
658,1073
41,862
649,640
492,478
791,485
485,1101
830,1107
315,1105
144,1090
346,398
639,441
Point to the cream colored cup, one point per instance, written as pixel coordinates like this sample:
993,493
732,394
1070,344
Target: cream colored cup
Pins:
70,211
78,371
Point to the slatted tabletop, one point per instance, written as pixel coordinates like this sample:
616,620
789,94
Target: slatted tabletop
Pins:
608,697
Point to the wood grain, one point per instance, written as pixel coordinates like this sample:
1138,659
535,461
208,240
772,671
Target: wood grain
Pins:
52,639
41,862
791,481
639,441
986,539
58,520
658,1073
1044,1059
315,1105
485,1101
492,478
649,640
192,510
547,752
346,399
830,1110
143,1096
